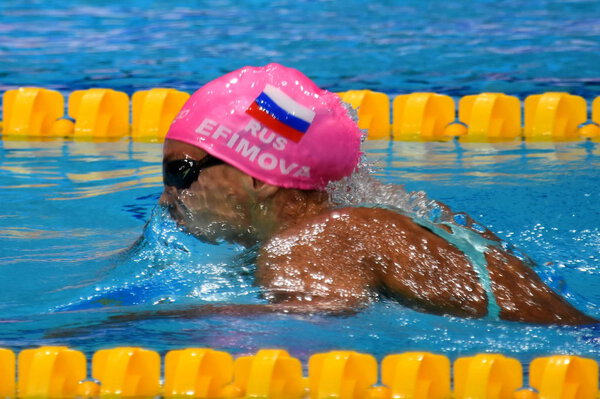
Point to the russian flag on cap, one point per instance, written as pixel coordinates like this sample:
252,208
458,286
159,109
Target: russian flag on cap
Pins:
277,111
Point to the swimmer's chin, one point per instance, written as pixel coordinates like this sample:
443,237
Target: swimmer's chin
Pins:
184,224
244,240
214,232
205,239
219,233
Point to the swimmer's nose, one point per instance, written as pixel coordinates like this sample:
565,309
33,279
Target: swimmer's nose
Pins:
168,195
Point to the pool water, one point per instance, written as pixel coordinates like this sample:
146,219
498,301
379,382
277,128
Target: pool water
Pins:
88,260
455,48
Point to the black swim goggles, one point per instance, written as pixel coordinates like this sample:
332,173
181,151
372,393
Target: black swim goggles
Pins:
181,173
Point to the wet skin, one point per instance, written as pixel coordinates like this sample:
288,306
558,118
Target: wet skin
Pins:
316,257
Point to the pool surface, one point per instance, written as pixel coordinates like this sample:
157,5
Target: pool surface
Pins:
76,272
457,48
87,259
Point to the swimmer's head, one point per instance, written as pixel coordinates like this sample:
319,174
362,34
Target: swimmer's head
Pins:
274,124
216,201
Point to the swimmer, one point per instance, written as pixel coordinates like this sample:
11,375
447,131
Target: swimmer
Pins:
247,160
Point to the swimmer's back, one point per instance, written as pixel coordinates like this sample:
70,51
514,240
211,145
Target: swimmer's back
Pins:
345,255
343,258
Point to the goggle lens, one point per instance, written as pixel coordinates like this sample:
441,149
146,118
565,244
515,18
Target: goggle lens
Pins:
182,173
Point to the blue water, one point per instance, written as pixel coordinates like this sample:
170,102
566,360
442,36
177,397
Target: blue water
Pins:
457,48
74,270
71,272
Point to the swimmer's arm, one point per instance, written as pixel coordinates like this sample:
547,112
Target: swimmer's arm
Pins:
237,310
196,312
319,275
523,296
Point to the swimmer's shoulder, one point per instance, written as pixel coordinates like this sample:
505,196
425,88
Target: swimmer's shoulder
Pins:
338,241
346,225
354,230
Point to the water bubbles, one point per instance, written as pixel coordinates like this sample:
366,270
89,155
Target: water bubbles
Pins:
478,228
353,113
460,219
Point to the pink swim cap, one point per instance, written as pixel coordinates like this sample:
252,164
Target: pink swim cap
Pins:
274,124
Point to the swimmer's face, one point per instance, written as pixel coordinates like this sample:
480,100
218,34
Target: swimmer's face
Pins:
217,203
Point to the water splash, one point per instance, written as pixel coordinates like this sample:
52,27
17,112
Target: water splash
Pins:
167,265
362,187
